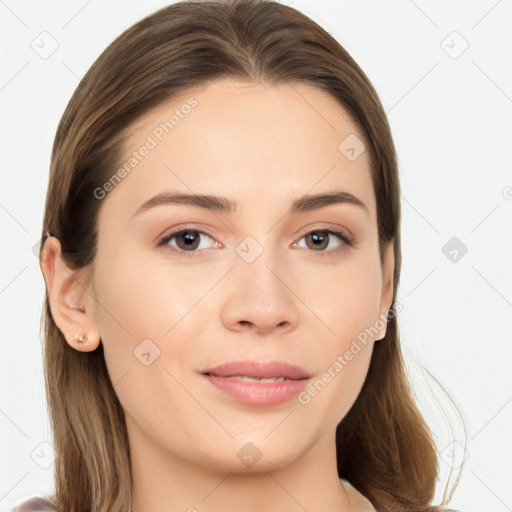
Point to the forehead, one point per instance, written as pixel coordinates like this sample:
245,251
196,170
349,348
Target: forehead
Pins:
270,142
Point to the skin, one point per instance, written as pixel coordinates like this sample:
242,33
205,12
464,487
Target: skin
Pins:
262,146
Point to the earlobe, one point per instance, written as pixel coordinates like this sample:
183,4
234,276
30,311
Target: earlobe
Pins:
69,298
388,269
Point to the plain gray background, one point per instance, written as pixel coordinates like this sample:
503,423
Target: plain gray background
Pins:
442,70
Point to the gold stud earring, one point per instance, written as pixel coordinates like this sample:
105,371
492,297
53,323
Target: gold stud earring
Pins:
80,338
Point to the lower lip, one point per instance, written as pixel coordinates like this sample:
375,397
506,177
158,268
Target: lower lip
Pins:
258,393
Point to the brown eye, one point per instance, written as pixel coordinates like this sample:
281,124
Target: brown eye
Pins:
187,239
318,239
184,240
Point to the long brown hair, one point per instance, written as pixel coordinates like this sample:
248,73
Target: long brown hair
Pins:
384,446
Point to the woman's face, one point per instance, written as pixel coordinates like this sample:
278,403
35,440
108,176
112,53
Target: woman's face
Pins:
255,277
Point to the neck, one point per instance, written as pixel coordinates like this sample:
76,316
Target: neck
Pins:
163,482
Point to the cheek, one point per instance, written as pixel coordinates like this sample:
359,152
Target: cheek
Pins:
344,298
138,317
150,308
139,299
346,310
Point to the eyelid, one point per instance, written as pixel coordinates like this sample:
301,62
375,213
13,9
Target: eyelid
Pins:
332,229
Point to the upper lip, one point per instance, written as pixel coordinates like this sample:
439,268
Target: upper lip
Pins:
259,370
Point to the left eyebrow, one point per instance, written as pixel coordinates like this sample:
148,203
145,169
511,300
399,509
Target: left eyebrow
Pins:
314,202
223,204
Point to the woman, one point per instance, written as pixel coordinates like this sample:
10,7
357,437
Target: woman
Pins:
221,253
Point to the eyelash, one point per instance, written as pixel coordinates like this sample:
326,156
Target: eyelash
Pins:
347,241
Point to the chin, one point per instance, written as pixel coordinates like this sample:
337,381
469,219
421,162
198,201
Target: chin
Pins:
253,454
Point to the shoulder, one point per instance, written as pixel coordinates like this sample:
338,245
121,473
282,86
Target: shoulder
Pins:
34,504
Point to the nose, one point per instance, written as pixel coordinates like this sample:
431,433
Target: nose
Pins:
260,298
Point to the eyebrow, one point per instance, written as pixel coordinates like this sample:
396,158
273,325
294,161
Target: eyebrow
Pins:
224,205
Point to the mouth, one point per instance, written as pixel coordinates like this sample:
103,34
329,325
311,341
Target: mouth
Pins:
259,371
258,383
245,378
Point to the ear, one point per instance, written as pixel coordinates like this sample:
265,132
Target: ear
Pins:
71,302
388,268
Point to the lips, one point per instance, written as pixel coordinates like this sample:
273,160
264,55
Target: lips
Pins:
259,370
257,383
